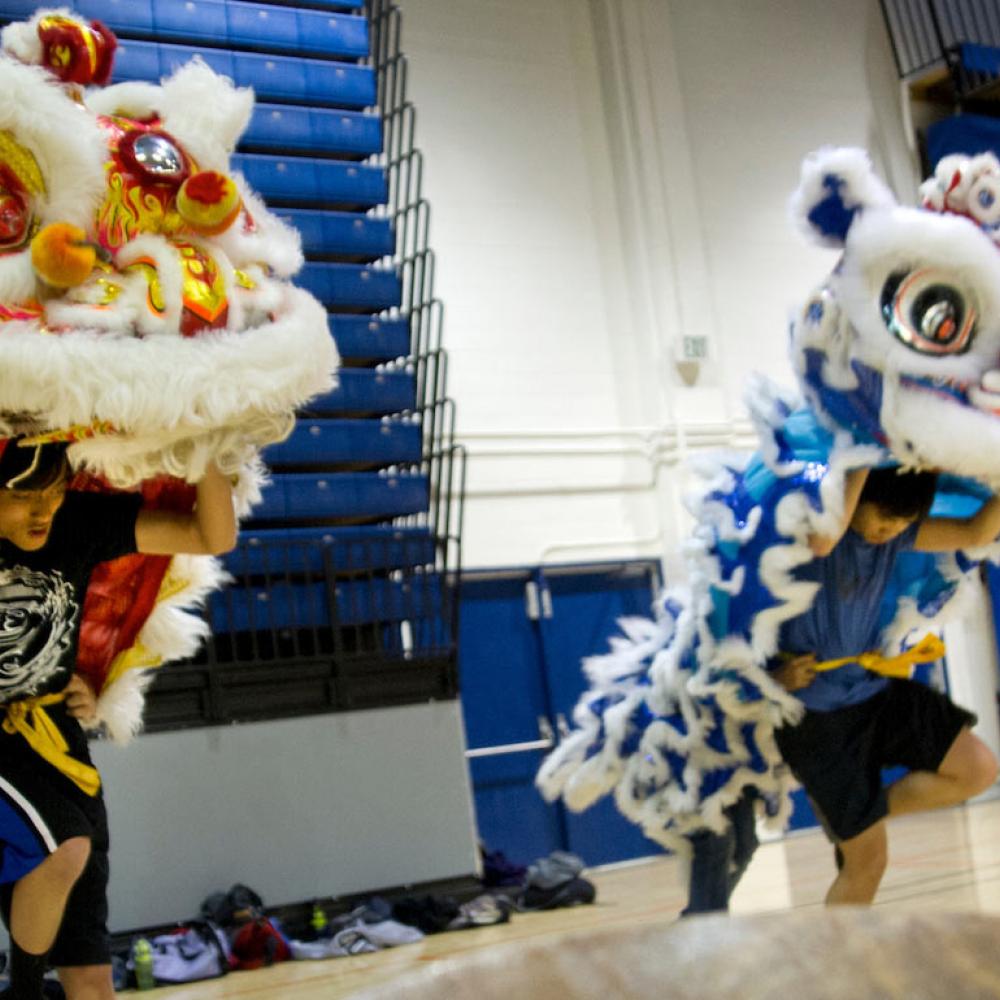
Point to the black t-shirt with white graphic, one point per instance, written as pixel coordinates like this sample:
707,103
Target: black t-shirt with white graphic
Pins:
42,592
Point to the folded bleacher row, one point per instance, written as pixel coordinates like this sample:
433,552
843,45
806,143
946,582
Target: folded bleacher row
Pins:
343,580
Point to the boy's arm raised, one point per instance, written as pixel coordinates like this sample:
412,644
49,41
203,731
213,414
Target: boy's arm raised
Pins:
209,530
854,483
948,534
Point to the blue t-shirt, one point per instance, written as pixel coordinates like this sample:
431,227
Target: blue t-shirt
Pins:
845,619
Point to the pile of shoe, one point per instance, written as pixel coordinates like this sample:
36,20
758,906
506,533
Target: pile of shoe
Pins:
554,882
434,914
366,928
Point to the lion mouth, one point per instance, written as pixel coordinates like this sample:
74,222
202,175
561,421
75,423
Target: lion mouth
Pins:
983,396
986,395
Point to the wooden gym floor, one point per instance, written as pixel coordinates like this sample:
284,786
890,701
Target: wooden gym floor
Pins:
947,860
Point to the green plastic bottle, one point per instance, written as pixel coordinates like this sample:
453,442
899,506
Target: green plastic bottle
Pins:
142,962
318,921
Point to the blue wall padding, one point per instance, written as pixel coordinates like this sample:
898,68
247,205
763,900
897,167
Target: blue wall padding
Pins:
968,134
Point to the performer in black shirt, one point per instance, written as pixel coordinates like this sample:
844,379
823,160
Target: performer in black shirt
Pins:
53,825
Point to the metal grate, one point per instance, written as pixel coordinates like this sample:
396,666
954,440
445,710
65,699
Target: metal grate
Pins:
962,35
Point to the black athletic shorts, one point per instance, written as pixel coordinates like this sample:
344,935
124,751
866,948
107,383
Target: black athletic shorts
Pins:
838,756
39,809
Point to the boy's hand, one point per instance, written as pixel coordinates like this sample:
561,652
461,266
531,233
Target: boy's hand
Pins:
796,673
81,702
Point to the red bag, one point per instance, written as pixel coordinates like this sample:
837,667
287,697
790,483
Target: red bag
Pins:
259,943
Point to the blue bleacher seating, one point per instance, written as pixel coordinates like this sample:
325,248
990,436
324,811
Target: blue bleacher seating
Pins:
351,286
326,442
234,24
310,82
311,605
293,181
364,391
341,234
300,551
370,338
347,5
284,129
297,496
321,549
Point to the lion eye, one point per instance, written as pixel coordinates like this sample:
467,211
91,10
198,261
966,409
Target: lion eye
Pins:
927,313
155,157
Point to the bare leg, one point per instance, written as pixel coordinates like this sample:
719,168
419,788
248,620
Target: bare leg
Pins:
87,982
39,898
968,768
865,858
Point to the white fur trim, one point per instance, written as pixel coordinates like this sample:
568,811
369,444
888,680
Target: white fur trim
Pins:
66,141
206,112
172,633
169,388
21,40
270,241
131,99
18,281
202,110
120,706
861,189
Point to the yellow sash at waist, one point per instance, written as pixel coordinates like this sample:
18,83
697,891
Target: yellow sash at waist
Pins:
30,719
929,648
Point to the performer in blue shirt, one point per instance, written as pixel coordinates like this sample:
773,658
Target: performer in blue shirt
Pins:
858,722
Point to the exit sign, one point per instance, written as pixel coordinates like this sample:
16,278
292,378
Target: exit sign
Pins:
694,348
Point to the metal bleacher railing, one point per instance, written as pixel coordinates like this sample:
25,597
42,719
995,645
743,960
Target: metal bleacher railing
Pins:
961,37
345,579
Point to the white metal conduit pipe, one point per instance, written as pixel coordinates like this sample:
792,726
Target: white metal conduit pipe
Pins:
660,447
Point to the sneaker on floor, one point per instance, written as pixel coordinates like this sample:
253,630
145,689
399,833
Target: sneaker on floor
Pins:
353,940
576,892
483,911
430,914
558,868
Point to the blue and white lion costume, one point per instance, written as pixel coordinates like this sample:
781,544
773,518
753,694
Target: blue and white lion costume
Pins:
898,359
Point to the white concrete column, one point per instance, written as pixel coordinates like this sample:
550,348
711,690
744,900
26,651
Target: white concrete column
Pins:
661,225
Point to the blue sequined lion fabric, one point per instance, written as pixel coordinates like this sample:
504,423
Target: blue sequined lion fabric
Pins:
897,356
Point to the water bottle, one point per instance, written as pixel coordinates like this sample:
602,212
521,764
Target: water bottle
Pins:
142,962
318,921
